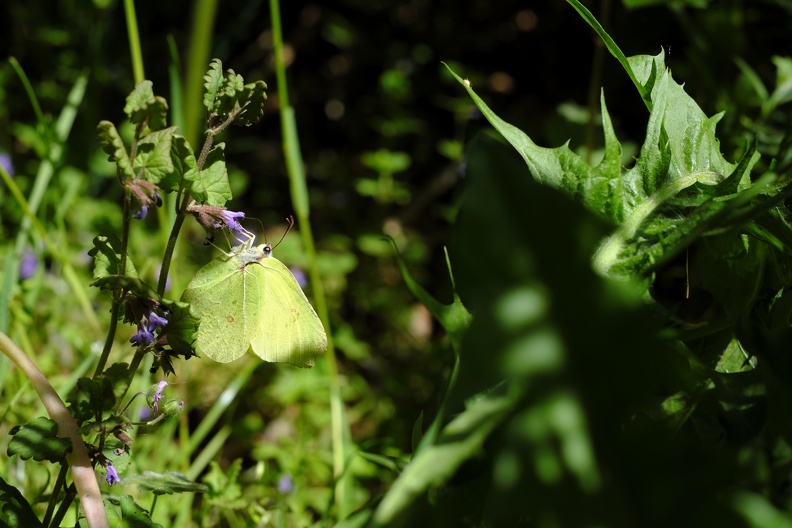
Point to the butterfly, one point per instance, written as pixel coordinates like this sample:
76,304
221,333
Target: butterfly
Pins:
249,301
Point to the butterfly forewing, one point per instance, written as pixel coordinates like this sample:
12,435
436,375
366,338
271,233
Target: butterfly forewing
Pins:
223,295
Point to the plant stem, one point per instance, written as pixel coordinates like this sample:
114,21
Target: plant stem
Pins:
134,41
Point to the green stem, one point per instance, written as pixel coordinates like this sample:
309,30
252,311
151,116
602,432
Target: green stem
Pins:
60,481
609,251
198,57
134,41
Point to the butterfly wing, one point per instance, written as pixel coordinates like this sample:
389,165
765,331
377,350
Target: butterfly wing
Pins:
221,295
288,329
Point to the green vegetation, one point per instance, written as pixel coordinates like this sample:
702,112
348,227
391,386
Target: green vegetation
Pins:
590,334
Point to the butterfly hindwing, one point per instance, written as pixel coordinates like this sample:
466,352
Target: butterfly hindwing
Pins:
289,330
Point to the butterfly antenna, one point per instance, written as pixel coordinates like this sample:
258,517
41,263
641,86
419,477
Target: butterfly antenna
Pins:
291,224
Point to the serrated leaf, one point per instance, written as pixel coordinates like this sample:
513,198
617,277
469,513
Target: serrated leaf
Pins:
142,105
680,165
113,146
183,160
107,261
227,95
598,188
223,486
154,155
210,185
214,83
251,101
38,439
15,511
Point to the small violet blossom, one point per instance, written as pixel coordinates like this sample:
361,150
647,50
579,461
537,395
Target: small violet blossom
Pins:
213,218
285,484
27,268
112,474
146,326
231,220
5,163
158,395
140,215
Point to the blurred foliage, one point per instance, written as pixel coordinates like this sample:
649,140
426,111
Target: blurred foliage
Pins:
383,127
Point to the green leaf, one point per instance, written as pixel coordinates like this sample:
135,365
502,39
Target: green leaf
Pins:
165,483
15,510
107,261
224,490
249,105
38,439
91,398
113,145
183,161
210,185
680,165
460,440
142,105
214,83
454,318
227,96
154,155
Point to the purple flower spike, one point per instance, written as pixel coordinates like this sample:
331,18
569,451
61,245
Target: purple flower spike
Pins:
112,474
231,219
158,394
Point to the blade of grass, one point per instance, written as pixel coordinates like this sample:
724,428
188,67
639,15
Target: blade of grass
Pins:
299,193
134,41
613,48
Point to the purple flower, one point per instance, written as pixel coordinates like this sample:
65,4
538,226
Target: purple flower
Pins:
149,322
285,484
112,474
158,394
230,219
27,268
147,195
140,215
5,162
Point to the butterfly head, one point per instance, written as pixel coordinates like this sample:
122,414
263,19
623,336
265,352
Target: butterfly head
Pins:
266,249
